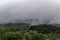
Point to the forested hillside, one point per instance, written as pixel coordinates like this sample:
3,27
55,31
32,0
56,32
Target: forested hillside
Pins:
23,31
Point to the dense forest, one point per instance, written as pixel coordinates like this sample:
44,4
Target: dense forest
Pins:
24,31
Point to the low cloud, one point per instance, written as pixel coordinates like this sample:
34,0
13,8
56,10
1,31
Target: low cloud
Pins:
46,11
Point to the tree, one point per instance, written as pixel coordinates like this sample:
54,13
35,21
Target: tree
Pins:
11,35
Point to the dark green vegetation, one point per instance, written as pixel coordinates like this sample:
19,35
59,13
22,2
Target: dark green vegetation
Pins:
22,31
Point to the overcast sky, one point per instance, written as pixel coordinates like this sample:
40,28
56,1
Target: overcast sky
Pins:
36,9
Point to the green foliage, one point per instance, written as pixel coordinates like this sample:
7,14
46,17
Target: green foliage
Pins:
27,36
44,28
11,35
20,31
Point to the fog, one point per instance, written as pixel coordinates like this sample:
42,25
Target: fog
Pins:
45,11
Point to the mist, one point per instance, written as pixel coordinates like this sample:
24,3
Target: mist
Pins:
45,11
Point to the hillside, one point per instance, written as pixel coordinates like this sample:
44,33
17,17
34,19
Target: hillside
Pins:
24,31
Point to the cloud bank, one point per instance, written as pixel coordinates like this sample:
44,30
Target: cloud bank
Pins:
46,11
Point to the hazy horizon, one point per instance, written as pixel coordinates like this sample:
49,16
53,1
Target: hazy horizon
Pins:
43,10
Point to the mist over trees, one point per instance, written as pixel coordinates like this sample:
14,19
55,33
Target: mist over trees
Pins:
46,11
29,19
